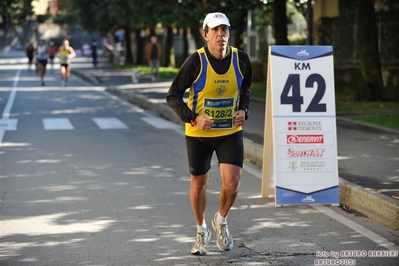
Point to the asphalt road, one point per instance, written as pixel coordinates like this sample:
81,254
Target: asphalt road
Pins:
87,178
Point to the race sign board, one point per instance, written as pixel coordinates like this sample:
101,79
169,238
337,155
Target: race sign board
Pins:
300,146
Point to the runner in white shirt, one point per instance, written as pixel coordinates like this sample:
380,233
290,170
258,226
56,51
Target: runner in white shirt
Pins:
41,57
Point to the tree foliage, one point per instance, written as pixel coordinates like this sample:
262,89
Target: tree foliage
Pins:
14,12
105,15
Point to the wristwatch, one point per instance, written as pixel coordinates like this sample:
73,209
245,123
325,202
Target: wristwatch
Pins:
246,110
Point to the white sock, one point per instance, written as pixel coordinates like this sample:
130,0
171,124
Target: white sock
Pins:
220,219
202,227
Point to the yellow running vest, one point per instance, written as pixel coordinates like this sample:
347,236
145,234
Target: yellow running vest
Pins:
216,96
64,56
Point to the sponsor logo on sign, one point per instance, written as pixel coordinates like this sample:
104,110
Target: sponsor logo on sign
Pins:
313,165
302,53
292,126
308,199
291,153
305,139
307,165
305,126
293,165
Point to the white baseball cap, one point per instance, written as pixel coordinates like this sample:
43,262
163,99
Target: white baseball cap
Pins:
215,19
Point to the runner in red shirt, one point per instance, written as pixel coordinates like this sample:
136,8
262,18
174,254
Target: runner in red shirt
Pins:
52,50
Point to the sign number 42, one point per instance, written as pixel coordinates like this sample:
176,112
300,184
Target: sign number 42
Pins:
296,99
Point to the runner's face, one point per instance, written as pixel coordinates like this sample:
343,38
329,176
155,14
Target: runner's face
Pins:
218,37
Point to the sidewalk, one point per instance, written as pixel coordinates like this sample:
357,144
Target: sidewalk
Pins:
368,155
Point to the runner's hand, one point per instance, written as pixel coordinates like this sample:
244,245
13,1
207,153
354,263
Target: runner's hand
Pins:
204,122
239,118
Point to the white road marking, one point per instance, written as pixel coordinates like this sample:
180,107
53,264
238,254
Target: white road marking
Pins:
357,227
6,123
160,123
57,124
109,123
11,98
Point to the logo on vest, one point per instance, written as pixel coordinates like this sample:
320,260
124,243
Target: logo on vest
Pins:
220,90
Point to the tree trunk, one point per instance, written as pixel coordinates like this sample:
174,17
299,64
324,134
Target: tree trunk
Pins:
128,47
199,42
168,45
309,19
280,22
239,30
367,43
140,48
152,32
185,43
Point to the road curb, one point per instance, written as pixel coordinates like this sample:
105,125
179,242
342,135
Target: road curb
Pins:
144,102
378,207
88,78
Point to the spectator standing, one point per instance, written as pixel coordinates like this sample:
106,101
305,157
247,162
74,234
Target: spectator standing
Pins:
108,49
153,53
86,50
94,55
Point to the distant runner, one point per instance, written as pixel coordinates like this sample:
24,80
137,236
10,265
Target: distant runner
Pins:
30,51
41,57
65,52
52,50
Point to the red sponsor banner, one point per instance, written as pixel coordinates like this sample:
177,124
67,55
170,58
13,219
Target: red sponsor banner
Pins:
305,139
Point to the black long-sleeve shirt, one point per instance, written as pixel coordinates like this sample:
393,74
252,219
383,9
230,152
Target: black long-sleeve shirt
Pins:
190,70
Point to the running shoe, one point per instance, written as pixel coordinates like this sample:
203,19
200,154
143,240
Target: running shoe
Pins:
224,241
201,244
42,83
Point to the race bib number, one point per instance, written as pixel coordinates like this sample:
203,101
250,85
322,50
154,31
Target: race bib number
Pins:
221,110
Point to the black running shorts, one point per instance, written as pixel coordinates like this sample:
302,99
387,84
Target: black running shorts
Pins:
42,62
229,149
